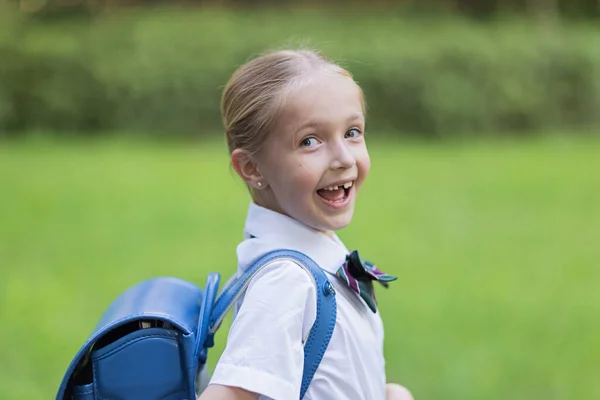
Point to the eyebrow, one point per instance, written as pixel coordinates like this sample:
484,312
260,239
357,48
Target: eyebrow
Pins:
315,123
356,117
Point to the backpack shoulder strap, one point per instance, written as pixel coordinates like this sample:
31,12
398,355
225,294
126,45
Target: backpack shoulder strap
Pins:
322,330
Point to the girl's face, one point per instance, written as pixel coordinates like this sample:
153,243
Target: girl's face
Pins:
316,159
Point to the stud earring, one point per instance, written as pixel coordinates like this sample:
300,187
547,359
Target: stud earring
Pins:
259,184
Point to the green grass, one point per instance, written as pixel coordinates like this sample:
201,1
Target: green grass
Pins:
496,246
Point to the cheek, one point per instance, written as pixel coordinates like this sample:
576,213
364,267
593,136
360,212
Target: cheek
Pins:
293,177
303,177
363,162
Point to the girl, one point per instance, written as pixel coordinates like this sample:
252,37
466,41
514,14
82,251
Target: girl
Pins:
295,129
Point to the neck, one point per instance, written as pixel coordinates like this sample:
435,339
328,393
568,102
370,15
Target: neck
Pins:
329,234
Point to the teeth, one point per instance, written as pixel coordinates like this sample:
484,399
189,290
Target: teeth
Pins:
336,187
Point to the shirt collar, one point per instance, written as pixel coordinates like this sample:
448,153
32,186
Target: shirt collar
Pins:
267,230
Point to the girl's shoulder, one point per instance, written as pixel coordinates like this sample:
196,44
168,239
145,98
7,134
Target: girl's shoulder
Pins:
282,273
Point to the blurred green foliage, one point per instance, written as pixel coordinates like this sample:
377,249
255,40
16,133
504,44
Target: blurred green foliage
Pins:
495,246
162,71
481,9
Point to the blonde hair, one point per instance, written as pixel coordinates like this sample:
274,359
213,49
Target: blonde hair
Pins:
257,90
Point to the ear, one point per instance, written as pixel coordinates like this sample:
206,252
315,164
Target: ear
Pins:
246,168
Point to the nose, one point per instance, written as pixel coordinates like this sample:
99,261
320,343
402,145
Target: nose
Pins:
342,157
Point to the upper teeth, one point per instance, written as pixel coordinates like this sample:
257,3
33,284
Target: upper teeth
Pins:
336,187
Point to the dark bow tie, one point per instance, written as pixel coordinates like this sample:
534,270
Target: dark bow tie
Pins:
359,275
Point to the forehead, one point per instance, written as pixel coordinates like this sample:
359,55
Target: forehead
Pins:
325,98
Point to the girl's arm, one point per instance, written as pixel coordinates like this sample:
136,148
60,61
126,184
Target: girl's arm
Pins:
265,351
214,392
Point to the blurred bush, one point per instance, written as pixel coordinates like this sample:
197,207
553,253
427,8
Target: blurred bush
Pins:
162,71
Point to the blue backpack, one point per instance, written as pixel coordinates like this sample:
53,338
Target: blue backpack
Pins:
152,341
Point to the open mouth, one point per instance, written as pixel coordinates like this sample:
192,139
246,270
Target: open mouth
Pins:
336,194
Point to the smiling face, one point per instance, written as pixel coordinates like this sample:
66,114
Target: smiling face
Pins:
315,160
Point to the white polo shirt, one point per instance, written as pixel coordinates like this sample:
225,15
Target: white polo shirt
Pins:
265,353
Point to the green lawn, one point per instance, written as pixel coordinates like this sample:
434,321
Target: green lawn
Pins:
496,247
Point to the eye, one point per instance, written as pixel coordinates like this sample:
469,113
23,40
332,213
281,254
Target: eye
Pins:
352,133
309,141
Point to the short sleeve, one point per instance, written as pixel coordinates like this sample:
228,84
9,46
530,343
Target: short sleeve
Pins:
265,350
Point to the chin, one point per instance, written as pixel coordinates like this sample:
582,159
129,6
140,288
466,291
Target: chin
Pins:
325,221
336,223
